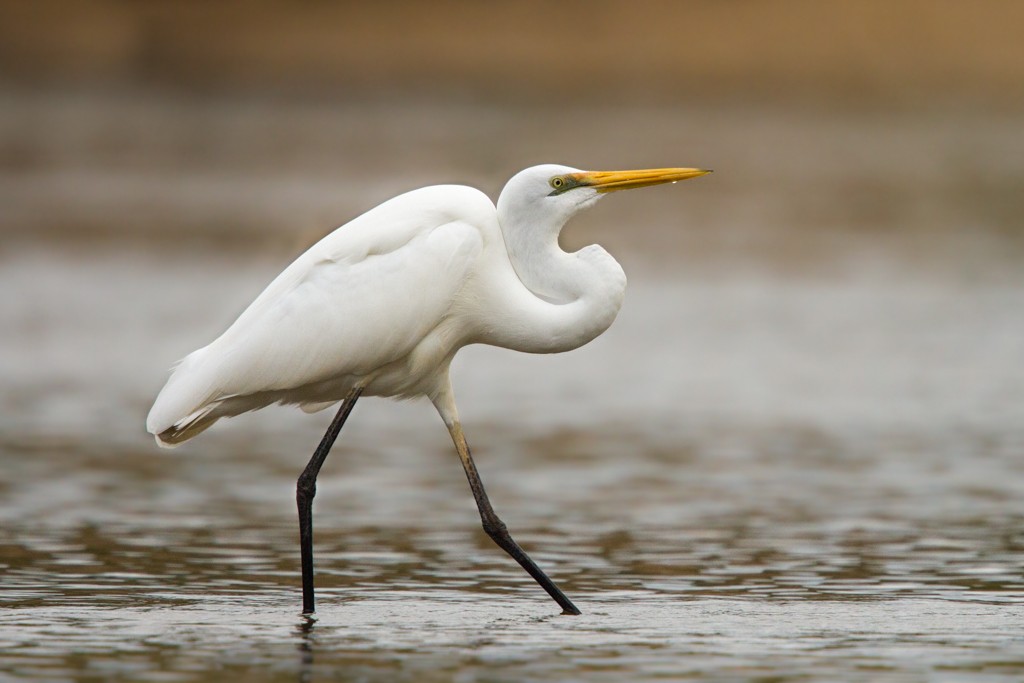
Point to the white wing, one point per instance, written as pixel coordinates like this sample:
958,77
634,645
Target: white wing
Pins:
359,299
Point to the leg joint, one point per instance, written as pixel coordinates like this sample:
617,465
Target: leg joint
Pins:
495,528
305,488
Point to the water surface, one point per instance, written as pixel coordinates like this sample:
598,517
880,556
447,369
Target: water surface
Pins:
797,455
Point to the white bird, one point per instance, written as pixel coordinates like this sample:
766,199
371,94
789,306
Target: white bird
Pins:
380,306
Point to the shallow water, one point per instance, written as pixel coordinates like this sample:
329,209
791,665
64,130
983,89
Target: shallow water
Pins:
795,480
730,556
797,455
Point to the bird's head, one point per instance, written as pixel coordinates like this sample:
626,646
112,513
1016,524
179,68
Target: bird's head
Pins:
550,194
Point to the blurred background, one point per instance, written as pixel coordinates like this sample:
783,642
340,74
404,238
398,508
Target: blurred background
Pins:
822,345
153,140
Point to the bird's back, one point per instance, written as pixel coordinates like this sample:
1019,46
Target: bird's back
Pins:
361,299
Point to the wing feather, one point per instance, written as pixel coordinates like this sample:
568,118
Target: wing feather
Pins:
359,299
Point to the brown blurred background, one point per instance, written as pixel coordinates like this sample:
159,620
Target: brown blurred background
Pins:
604,50
178,122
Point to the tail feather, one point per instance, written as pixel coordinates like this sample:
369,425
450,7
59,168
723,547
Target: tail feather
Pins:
184,430
185,405
195,397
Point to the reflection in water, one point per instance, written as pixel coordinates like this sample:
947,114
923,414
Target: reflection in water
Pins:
304,630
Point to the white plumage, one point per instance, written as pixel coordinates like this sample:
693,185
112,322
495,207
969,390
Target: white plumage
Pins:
381,305
386,300
356,306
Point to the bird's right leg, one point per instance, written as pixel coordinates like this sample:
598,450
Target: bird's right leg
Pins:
495,527
305,489
497,530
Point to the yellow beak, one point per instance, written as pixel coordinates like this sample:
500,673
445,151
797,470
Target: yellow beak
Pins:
609,181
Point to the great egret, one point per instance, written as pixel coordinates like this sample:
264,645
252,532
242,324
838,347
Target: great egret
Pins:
381,305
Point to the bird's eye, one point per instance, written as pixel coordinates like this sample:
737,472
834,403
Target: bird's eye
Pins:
560,184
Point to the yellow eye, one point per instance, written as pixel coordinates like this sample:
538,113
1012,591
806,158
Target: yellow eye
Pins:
558,182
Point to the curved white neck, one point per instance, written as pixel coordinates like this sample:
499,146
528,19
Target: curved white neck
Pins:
566,299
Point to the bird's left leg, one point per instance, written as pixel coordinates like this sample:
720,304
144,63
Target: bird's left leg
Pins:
305,489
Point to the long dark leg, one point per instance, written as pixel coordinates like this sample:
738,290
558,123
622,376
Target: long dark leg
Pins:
497,530
305,489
